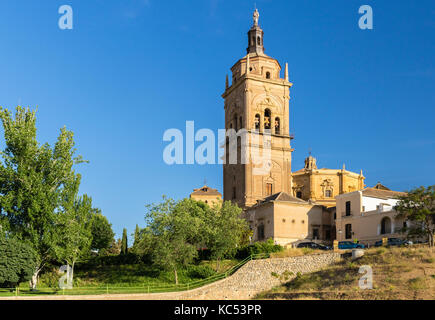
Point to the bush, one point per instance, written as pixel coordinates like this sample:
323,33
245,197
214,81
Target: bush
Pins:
258,247
17,263
111,260
200,272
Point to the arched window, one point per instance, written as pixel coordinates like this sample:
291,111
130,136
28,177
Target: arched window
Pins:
257,122
267,119
277,126
267,75
235,122
258,40
386,225
328,194
240,123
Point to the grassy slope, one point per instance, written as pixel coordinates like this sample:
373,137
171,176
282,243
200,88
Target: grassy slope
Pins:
120,279
398,273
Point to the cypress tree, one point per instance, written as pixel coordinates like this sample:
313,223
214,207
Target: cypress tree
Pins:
124,244
136,235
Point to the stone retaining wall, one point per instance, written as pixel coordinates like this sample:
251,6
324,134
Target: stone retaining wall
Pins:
260,275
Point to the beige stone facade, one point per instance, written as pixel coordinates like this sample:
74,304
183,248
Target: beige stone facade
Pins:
368,215
207,195
323,185
288,220
258,100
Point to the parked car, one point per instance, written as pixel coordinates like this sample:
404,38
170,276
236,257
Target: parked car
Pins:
350,245
394,242
313,245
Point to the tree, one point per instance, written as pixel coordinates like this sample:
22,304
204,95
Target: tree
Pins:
33,181
226,230
136,235
102,233
174,231
17,263
124,244
418,206
73,241
115,248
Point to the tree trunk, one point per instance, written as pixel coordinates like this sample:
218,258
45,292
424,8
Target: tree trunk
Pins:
72,274
176,276
33,282
217,264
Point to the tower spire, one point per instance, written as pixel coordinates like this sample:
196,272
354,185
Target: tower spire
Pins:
255,36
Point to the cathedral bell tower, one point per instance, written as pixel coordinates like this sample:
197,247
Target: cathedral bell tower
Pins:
258,101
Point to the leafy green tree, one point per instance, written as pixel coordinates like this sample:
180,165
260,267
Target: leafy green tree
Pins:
102,233
226,231
174,232
34,181
418,206
73,242
114,249
124,243
17,263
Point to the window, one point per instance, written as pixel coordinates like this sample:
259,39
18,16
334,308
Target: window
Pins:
240,123
299,194
335,215
235,122
267,119
277,126
315,233
347,208
328,193
363,209
268,189
268,75
257,122
348,228
260,232
327,234
258,41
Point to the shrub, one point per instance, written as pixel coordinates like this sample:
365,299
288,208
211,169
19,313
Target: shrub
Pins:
17,263
111,260
258,247
200,272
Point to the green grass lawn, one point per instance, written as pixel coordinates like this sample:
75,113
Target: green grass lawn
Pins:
135,278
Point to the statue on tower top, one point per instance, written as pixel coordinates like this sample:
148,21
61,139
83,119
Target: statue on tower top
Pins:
256,16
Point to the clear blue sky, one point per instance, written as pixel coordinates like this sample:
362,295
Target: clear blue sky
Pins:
129,70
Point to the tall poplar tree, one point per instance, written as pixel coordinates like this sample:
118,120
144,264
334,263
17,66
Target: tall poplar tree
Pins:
35,180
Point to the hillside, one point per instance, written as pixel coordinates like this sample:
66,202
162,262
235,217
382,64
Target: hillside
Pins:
398,273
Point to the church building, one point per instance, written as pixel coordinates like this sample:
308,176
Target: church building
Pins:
277,203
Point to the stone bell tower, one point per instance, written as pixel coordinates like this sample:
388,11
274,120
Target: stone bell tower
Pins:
258,100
